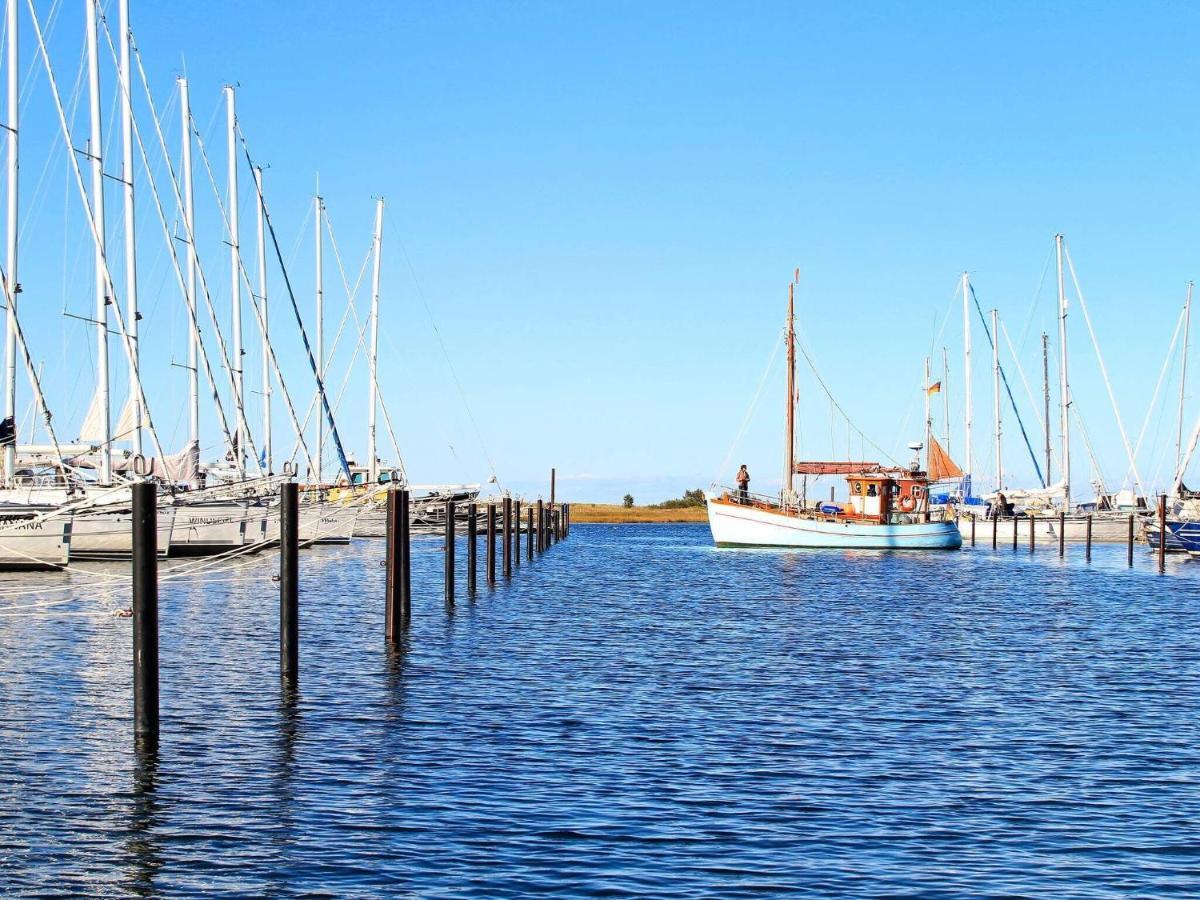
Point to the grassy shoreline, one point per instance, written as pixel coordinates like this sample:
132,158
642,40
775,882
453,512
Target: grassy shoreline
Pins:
615,514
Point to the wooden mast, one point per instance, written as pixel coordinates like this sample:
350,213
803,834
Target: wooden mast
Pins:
790,450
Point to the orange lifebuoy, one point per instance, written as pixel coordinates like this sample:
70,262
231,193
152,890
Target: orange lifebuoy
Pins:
907,504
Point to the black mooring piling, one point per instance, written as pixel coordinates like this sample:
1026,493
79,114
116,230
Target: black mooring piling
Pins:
449,552
1129,543
507,548
1162,532
398,599
491,544
1032,528
541,527
995,528
145,613
1087,551
972,529
516,511
472,545
529,534
289,580
1062,533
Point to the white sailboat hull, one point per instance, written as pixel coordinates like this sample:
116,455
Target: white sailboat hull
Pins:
204,529
1105,529
320,523
30,543
104,534
734,525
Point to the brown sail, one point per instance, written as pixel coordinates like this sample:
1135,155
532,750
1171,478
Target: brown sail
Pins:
941,466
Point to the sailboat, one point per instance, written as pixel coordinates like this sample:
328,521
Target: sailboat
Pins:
888,509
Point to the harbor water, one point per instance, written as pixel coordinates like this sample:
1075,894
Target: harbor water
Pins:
635,712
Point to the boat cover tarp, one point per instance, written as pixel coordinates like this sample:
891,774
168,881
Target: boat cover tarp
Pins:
834,468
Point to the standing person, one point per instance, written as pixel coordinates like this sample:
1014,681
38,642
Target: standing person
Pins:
743,483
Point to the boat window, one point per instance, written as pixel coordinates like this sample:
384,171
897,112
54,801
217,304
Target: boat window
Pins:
871,492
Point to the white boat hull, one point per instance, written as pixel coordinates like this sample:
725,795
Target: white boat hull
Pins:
205,529
734,525
320,523
31,543
108,534
1105,529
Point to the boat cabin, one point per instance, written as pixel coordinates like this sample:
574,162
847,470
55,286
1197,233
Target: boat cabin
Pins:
881,494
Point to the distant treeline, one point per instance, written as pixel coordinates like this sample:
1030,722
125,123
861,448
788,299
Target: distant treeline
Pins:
688,500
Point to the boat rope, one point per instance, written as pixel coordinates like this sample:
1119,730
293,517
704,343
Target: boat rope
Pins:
189,301
1162,374
1137,481
1008,390
863,439
131,356
287,282
762,383
462,394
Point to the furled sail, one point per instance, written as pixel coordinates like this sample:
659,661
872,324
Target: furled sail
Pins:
941,466
92,430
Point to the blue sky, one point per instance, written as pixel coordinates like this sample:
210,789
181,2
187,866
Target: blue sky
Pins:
599,206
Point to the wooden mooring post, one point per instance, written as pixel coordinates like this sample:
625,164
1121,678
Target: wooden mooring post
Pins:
1087,549
995,529
972,529
398,562
1062,533
289,580
472,545
529,534
491,544
541,527
1032,530
516,514
1162,532
449,552
1015,529
1129,542
145,613
508,533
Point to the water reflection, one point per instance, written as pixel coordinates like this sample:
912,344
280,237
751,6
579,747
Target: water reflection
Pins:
143,850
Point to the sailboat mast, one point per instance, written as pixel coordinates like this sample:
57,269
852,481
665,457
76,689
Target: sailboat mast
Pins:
789,453
373,463
1046,397
1187,321
235,267
996,397
12,115
131,296
928,421
1064,386
95,151
966,292
266,333
319,202
189,215
946,396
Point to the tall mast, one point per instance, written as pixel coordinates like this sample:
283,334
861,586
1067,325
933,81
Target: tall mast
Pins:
1064,385
235,270
928,420
1046,397
266,334
189,216
319,203
1187,321
10,342
789,455
946,396
373,463
966,292
131,297
95,151
996,396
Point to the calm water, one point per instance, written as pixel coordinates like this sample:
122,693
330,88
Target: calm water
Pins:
635,713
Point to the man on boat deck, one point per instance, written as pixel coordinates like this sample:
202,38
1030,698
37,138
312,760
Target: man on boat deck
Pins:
743,483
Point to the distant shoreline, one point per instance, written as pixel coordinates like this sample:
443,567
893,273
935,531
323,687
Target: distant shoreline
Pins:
615,514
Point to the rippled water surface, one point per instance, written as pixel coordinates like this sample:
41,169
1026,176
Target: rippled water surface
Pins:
634,713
